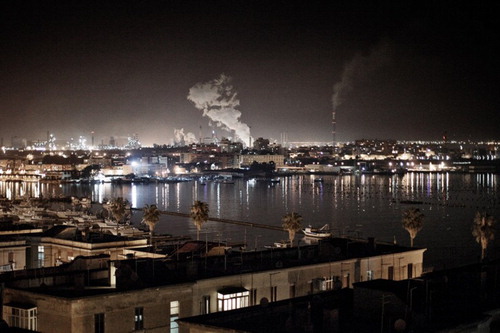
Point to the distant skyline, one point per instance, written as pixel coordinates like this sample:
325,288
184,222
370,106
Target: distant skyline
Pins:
391,70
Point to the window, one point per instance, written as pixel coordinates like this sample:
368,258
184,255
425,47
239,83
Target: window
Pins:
410,271
253,296
99,323
174,315
139,318
41,255
205,305
327,283
346,281
292,291
390,273
12,260
21,316
274,293
232,298
369,275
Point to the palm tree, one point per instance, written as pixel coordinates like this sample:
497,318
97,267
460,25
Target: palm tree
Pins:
199,214
292,223
413,222
118,208
483,229
150,218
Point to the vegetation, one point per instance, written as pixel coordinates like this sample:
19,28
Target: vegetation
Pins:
199,214
292,223
483,230
119,209
150,218
413,222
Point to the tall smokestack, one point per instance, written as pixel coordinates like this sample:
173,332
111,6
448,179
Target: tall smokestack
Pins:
249,139
334,128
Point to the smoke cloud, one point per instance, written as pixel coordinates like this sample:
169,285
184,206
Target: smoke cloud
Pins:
219,103
183,139
360,68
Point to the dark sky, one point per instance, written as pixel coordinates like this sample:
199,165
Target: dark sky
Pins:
400,69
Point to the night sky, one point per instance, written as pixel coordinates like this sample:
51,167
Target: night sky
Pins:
404,70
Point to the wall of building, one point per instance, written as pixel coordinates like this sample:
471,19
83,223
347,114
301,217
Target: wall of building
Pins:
279,160
12,255
65,314
299,281
56,251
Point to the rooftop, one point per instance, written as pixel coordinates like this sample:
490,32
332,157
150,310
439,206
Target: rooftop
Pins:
146,272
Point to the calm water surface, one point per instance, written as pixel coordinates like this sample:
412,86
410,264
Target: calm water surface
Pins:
354,205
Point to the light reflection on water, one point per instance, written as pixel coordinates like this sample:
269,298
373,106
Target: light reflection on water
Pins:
364,205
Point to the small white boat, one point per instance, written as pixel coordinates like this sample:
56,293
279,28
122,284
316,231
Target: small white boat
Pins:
279,245
323,232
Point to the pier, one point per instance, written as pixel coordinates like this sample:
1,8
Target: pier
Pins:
242,223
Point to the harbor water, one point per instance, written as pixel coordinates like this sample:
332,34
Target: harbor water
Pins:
353,205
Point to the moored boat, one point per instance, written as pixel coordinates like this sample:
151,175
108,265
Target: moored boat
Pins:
279,245
323,232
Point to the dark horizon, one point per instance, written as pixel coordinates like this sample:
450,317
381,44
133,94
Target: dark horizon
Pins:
411,71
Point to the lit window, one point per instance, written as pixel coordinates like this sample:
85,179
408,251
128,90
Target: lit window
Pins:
232,298
369,275
174,315
41,255
21,316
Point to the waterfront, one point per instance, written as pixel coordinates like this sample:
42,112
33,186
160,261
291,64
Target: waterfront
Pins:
354,205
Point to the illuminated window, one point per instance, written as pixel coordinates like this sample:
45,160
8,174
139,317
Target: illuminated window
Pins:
41,255
21,316
139,318
174,315
369,275
232,298
99,323
327,283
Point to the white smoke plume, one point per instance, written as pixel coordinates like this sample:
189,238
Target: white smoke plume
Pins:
219,103
183,139
359,68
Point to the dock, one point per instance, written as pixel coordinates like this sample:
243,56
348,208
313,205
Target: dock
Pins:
242,223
